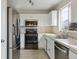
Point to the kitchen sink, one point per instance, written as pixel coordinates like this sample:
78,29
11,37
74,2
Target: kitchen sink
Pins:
62,37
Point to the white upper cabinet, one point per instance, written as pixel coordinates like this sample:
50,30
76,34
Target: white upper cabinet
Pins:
53,18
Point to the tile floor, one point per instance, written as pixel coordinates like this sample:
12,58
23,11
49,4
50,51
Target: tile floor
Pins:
31,54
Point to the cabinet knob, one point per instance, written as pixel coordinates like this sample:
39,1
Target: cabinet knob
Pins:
48,49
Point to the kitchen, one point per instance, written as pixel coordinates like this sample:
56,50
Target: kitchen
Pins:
42,29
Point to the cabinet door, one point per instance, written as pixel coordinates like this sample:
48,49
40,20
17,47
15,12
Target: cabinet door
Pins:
42,43
72,55
53,18
50,18
50,48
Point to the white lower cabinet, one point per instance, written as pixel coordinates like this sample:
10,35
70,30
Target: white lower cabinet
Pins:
72,55
50,48
42,43
48,45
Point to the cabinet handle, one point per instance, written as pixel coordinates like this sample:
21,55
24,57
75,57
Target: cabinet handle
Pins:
2,40
48,49
64,51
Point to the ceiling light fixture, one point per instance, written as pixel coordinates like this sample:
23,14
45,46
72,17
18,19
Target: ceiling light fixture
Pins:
31,2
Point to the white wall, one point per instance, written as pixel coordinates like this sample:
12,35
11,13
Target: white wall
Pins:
74,11
10,32
4,29
41,18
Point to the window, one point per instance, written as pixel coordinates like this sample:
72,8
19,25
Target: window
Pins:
65,17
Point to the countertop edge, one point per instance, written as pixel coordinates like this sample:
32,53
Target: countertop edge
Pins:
74,50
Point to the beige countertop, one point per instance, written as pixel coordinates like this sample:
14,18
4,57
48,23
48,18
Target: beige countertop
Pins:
69,43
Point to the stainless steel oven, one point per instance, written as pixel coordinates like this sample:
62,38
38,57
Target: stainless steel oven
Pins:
31,39
61,52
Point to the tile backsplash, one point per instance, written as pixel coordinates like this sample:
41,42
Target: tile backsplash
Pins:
71,34
54,29
44,29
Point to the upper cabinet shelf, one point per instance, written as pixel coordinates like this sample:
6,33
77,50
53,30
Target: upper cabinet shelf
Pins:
31,26
53,18
31,23
28,27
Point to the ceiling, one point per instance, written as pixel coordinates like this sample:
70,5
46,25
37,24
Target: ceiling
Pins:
22,5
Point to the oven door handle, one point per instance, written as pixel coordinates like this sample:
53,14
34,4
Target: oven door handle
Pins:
62,50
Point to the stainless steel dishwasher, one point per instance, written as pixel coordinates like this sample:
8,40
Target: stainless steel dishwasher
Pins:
61,52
